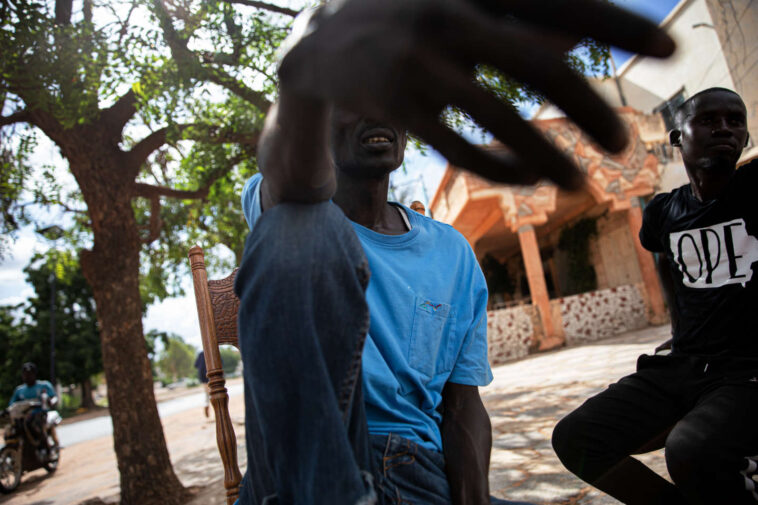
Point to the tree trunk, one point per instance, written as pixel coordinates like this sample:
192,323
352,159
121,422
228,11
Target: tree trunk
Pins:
87,401
112,269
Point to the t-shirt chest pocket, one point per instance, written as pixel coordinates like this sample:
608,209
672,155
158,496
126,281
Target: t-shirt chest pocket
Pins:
431,337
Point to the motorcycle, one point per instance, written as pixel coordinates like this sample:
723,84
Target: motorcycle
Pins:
24,451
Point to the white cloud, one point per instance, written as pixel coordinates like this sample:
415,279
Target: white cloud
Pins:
176,315
13,286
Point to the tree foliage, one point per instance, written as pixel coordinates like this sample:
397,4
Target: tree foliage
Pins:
156,107
12,339
26,327
230,358
177,359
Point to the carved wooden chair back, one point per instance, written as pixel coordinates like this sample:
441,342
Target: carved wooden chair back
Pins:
217,307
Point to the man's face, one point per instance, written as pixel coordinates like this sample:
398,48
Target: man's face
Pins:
365,148
29,377
714,131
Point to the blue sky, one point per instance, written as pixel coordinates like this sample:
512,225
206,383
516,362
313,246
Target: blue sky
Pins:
655,10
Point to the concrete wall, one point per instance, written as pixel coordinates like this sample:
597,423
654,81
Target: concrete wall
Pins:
736,24
698,63
613,254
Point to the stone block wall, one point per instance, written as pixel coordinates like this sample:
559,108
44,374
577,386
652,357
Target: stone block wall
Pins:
509,333
602,314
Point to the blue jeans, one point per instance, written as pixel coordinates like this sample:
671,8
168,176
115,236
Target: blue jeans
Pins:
407,473
303,320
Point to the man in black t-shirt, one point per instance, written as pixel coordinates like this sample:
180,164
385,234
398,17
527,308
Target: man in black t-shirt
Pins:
701,401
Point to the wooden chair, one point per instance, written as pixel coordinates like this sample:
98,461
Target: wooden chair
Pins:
217,307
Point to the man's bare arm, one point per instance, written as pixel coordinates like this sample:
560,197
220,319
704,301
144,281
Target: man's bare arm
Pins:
293,152
466,444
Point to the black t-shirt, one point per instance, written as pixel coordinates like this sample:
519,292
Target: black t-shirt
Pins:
711,247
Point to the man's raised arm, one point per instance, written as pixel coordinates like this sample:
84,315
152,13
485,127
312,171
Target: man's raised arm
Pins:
293,152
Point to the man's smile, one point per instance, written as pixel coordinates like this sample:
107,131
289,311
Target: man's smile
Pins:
378,139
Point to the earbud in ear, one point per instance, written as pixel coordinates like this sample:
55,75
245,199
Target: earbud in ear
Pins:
675,138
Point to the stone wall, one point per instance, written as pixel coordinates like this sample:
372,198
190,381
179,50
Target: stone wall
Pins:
509,333
586,317
601,314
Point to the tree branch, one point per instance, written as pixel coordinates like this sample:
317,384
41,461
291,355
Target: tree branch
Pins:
63,9
21,116
155,221
149,191
267,6
145,147
87,11
144,190
46,202
148,145
238,88
186,58
117,115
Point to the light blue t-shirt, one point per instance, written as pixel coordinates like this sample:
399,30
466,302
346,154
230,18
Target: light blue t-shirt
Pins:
34,392
427,298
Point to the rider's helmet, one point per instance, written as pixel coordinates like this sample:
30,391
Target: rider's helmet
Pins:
29,367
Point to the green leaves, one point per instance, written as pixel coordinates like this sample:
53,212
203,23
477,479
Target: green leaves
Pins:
25,329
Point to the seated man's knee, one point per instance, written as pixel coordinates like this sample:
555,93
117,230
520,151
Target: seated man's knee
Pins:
289,239
688,454
569,441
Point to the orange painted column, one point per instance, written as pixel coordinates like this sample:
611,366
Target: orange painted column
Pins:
530,251
647,265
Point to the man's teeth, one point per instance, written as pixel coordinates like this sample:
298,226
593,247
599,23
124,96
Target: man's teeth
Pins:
377,140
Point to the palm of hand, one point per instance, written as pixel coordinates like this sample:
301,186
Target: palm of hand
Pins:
405,61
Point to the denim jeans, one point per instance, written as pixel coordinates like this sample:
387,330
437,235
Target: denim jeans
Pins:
407,473
303,320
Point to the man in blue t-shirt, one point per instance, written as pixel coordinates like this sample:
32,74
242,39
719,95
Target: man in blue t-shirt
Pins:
363,324
33,389
350,380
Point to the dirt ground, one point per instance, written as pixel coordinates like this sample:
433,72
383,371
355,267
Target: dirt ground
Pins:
525,401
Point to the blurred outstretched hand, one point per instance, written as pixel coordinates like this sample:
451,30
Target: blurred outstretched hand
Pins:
405,61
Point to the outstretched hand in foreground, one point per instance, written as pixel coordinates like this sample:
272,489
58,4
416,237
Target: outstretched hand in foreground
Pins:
405,61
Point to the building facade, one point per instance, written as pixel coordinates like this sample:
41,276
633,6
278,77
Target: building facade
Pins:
568,267
534,268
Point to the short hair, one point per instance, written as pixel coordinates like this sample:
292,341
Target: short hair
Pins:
683,109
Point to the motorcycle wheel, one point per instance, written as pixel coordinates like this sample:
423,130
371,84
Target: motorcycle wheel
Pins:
10,469
54,456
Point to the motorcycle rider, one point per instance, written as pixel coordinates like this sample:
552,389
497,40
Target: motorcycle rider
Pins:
33,389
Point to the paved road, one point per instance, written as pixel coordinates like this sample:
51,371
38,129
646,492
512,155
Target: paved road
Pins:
97,427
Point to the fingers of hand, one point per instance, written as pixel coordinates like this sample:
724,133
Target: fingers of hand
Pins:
544,159
499,167
519,52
